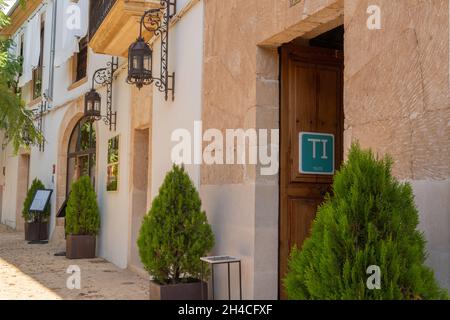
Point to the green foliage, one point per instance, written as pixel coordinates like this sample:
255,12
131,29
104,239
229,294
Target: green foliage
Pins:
4,19
15,120
113,185
175,234
82,213
370,220
26,214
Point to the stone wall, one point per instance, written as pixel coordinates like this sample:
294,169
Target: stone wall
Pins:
241,64
241,90
281,21
397,103
397,85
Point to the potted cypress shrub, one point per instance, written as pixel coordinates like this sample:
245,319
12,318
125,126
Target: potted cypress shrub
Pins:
173,237
36,225
82,220
370,220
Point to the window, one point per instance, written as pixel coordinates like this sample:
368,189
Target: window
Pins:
15,86
81,61
81,156
37,73
22,36
113,165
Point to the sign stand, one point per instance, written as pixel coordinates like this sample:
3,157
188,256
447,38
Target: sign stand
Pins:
62,214
217,260
38,206
39,231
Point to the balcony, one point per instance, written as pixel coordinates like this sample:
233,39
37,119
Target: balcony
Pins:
98,11
114,24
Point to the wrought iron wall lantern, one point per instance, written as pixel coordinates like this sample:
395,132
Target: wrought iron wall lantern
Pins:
93,100
140,55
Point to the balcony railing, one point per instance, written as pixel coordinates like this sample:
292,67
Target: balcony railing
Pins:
98,11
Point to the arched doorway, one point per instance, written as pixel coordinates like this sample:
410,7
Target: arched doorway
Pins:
81,153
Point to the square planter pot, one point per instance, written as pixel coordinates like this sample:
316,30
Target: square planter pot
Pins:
80,247
36,231
181,291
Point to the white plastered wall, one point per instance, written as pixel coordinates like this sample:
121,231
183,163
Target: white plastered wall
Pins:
185,58
112,240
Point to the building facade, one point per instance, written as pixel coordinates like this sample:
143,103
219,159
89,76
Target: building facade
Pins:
377,73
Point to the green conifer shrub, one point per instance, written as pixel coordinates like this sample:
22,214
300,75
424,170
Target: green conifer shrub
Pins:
82,213
369,220
175,234
30,216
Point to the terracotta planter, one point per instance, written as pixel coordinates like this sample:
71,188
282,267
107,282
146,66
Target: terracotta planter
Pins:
36,231
80,247
181,291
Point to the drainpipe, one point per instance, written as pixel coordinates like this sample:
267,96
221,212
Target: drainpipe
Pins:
52,52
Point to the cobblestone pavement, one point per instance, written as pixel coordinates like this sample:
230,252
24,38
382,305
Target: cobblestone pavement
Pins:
33,272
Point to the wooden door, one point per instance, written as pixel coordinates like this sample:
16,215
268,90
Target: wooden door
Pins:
311,101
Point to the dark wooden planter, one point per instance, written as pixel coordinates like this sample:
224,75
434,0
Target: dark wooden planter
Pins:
36,231
181,291
80,247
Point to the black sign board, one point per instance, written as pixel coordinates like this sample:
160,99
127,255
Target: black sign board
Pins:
62,211
41,200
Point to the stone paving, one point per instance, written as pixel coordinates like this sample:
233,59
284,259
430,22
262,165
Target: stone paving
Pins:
33,272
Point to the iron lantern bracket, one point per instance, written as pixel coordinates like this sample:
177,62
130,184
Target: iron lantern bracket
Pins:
158,21
104,76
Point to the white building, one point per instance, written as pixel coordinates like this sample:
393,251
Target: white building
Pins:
62,94
238,64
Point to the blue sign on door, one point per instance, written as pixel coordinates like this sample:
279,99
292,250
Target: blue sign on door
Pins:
316,153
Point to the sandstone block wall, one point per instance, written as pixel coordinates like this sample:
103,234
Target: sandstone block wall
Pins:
241,90
397,84
397,102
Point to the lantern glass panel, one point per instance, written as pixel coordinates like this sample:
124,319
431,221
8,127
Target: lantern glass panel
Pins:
97,106
147,63
136,63
89,106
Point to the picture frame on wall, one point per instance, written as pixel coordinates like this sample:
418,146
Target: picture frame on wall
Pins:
112,182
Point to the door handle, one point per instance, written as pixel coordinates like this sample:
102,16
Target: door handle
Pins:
323,190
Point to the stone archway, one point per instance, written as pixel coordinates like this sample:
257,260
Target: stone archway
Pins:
72,116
